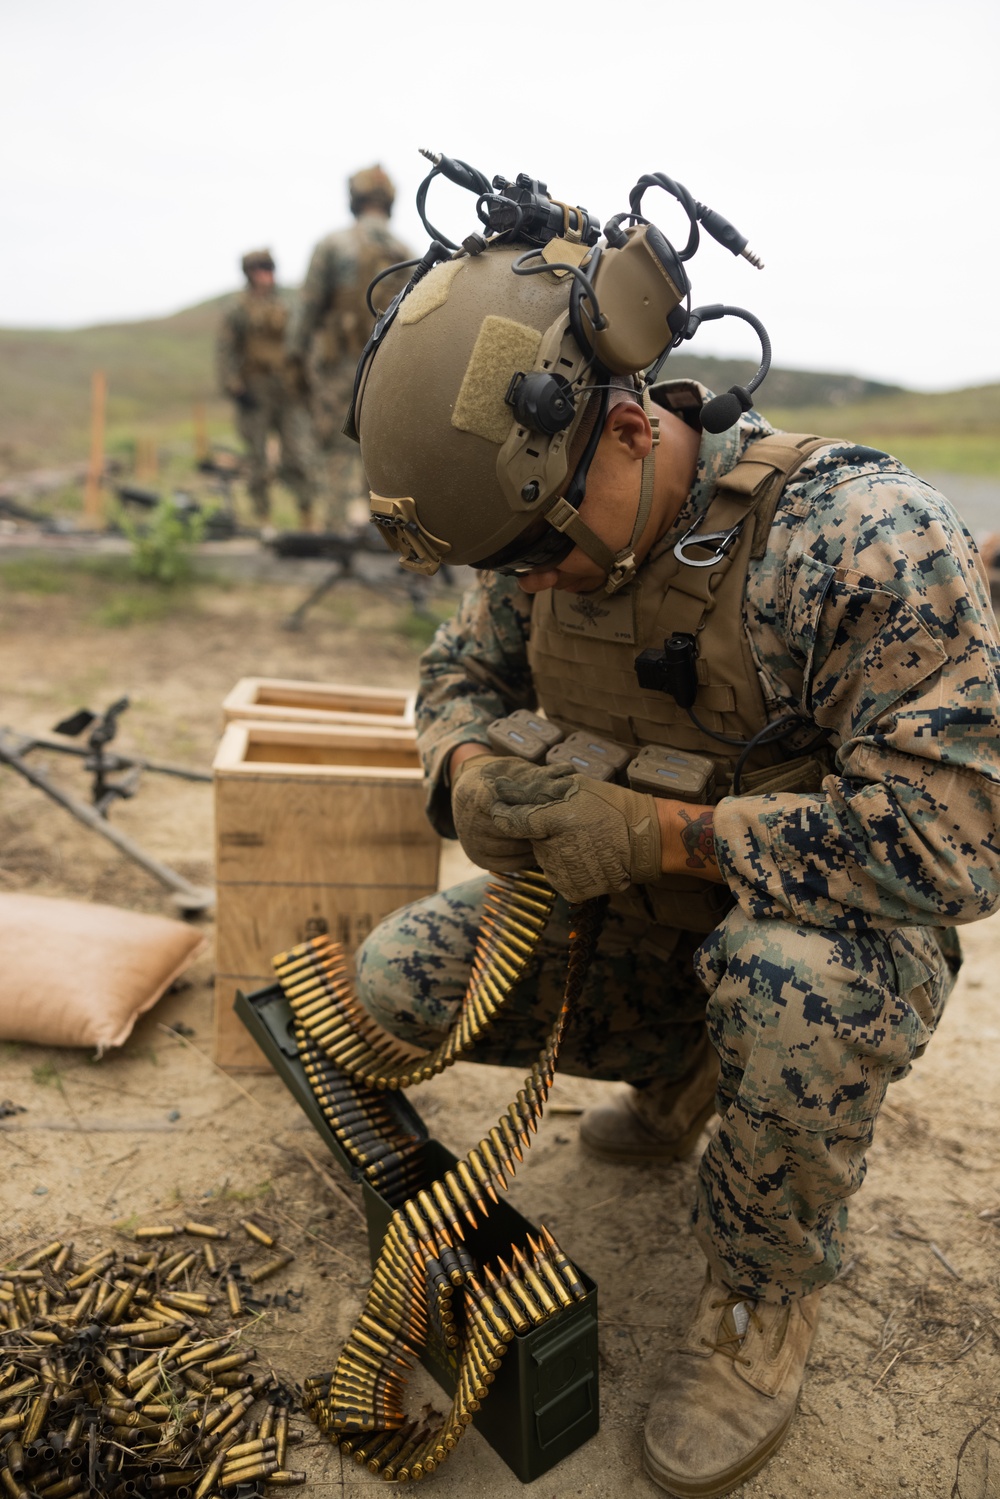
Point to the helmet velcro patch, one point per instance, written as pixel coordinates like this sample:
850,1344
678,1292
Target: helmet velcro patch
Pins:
430,293
502,349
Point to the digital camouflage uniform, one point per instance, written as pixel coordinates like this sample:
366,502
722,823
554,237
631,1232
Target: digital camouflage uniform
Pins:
869,611
253,370
330,330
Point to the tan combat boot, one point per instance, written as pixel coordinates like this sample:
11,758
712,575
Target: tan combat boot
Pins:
729,1398
661,1122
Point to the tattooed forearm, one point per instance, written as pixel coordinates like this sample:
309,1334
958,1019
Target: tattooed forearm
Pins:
698,841
687,839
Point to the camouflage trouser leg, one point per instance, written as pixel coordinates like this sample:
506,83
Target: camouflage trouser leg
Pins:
810,1027
642,1015
331,391
299,459
253,424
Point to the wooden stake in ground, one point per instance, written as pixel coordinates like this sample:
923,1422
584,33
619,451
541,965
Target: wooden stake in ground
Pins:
146,458
93,502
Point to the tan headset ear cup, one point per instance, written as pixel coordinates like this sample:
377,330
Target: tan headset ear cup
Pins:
637,293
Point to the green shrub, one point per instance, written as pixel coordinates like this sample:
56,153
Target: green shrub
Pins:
162,548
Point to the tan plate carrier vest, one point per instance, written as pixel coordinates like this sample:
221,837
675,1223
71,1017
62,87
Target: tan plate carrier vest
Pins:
264,345
348,321
582,651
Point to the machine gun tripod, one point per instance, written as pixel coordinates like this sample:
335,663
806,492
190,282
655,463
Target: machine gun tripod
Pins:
343,550
114,777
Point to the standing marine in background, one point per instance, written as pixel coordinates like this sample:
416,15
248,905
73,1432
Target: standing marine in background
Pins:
332,325
267,389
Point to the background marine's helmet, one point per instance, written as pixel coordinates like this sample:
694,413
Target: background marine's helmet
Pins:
370,185
257,260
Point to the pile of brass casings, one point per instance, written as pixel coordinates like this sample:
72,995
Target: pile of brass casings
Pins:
426,1285
119,1377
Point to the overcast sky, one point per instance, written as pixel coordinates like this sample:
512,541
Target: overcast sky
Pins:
855,144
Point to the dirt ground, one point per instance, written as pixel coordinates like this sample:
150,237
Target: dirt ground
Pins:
902,1391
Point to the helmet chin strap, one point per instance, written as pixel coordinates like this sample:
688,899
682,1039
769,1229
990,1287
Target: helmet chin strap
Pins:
619,568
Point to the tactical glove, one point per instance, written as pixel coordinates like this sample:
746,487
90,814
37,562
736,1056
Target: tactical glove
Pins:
588,836
472,796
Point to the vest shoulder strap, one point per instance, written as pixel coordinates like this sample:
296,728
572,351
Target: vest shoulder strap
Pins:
762,473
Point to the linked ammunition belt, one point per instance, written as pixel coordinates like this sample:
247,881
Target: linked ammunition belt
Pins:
426,1284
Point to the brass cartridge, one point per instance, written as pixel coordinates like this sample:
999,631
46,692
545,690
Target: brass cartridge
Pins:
271,1268
206,1231
254,1468
395,1444
281,1433
256,1232
485,1149
233,1296
512,1307
482,1174
459,1195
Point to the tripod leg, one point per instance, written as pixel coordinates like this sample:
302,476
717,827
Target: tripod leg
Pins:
296,618
190,898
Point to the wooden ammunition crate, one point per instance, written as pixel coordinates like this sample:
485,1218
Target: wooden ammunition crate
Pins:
318,829
276,699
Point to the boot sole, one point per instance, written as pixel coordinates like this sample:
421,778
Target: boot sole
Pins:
669,1150
719,1483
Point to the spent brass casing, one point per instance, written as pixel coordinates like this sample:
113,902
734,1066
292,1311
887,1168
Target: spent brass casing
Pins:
255,1468
37,1412
233,1297
258,1233
249,1449
206,1231
229,1361
262,1272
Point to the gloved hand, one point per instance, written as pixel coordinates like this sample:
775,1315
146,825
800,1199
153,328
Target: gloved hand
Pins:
588,836
472,796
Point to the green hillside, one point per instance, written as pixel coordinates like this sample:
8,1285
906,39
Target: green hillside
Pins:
158,369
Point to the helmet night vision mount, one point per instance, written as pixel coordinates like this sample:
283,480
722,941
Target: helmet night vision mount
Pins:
622,303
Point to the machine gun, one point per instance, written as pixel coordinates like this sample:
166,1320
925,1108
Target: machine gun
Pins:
343,550
114,777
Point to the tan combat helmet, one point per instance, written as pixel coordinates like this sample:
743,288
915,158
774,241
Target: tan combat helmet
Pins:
257,260
481,396
372,184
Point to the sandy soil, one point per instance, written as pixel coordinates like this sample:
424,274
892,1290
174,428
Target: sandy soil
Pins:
902,1390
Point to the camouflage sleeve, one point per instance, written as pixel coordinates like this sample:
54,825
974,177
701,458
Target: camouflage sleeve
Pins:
887,614
229,349
474,670
313,300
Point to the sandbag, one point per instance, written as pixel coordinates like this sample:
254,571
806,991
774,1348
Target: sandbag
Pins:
76,974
